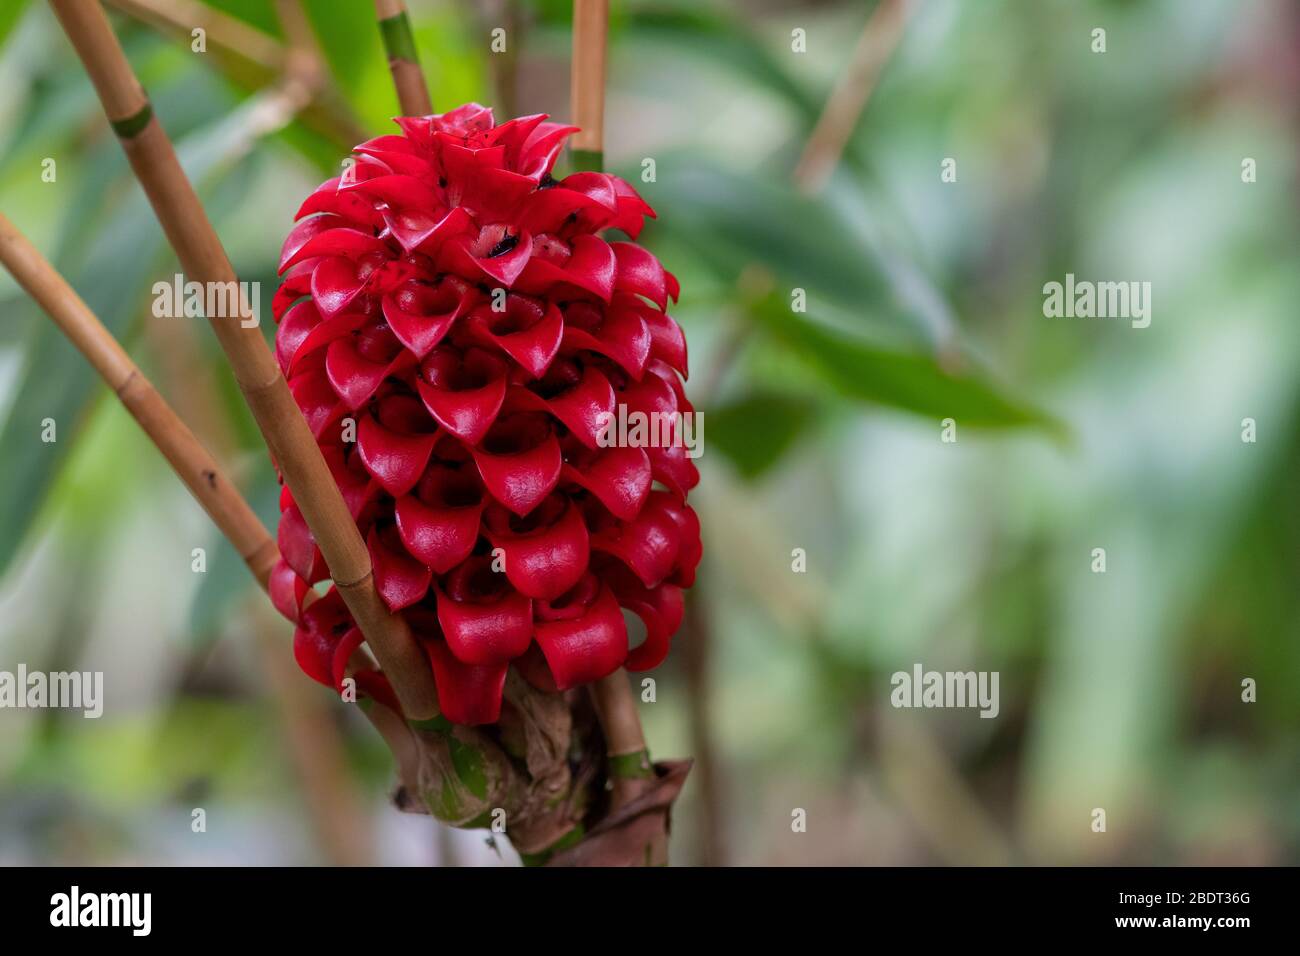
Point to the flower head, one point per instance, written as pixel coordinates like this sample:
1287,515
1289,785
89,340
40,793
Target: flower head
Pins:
457,329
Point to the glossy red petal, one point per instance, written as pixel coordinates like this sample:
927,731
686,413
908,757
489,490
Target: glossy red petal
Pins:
519,462
317,399
669,344
295,326
588,647
440,537
302,233
420,315
296,283
690,548
343,652
335,284
355,378
660,609
317,636
498,254
463,391
527,332
549,210
543,558
355,210
618,331
298,547
538,152
329,236
395,459
399,578
484,619
648,544
286,588
314,653
323,334
588,265
639,272
674,468
586,408
468,694
396,190
619,477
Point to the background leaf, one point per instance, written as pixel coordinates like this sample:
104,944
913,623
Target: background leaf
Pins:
911,381
756,430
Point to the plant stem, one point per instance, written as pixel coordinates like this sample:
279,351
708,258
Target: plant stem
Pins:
587,82
403,60
282,425
630,771
629,761
250,58
696,664
187,456
220,29
845,105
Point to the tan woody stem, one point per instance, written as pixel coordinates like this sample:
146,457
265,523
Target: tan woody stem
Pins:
318,756
286,432
190,460
457,773
630,771
587,82
403,60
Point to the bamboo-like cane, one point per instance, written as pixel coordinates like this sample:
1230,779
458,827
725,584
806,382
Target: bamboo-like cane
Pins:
403,60
282,425
630,770
318,761
587,83
190,460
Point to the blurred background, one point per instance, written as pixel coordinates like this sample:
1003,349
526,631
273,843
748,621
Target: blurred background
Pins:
823,428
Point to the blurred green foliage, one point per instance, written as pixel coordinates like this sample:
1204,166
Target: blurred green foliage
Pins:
924,303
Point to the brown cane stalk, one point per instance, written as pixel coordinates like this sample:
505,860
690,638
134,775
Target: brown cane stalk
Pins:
543,805
587,82
630,771
187,456
249,57
317,760
221,29
258,375
403,60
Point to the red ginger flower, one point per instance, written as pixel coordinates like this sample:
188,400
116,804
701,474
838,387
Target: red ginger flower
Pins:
465,310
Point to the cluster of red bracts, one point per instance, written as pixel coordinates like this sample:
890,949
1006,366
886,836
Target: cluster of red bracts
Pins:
462,310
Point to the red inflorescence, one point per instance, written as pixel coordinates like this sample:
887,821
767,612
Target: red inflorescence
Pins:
462,313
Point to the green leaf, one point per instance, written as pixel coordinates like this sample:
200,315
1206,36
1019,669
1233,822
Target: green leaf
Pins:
678,29
256,13
732,220
913,381
55,381
10,13
756,430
